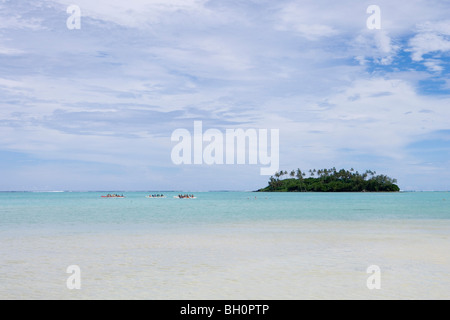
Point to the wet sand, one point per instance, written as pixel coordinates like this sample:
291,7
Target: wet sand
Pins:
264,260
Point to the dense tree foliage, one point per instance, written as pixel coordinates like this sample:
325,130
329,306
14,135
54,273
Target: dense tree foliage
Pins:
330,180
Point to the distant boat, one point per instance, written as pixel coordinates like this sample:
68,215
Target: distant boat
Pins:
113,196
155,197
185,197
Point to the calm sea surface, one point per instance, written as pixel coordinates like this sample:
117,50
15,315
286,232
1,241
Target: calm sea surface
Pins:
225,245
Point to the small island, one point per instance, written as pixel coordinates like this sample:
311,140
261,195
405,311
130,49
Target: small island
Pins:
330,180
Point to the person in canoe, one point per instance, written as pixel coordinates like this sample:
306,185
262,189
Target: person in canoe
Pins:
186,196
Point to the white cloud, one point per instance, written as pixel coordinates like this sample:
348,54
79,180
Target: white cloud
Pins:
376,117
424,43
10,51
304,20
431,38
376,45
18,22
308,31
135,13
433,65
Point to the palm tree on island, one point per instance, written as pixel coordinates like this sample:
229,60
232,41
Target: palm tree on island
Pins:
331,180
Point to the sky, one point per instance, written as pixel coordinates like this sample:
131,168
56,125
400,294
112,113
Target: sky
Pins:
94,107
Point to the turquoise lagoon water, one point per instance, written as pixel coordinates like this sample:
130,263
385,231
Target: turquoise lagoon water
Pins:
89,209
225,245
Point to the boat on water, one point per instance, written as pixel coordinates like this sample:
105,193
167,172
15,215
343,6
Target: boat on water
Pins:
156,196
113,196
185,196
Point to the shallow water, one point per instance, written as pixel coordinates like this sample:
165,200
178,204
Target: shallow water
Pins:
225,246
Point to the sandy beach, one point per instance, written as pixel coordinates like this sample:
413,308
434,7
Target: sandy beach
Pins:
276,260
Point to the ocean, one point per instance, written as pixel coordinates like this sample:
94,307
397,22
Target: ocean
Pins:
225,245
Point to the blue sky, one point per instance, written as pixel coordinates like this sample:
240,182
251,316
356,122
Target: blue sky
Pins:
94,108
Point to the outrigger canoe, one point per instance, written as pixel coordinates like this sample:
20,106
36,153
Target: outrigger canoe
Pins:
155,197
177,197
113,197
